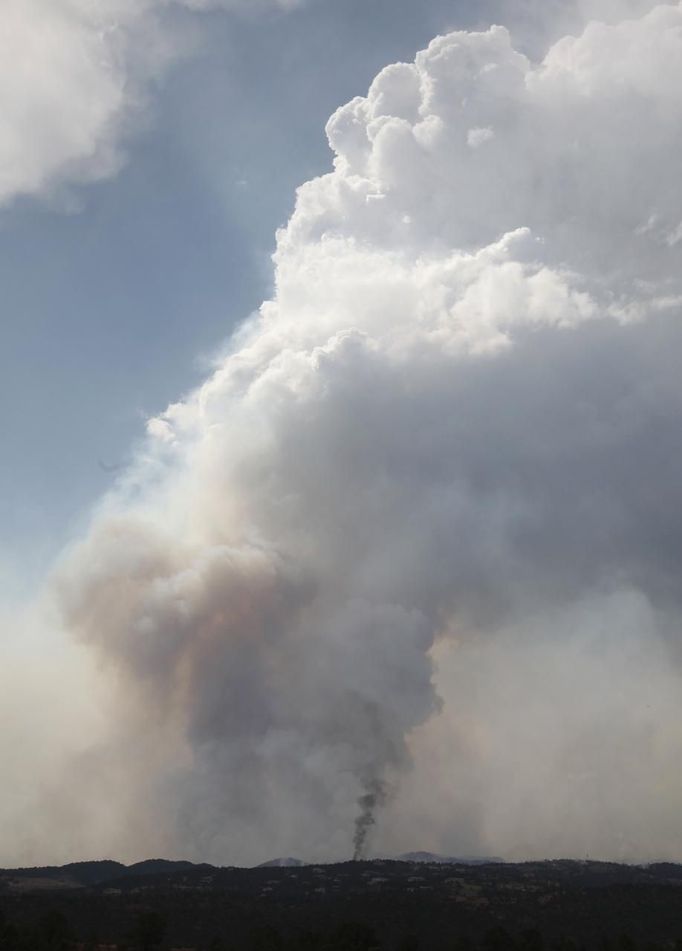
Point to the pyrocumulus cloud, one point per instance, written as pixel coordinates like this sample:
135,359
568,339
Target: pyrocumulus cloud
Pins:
416,542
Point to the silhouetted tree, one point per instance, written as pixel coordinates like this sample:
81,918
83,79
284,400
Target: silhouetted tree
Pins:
462,942
498,939
54,931
150,928
409,942
355,936
266,938
531,940
307,941
626,943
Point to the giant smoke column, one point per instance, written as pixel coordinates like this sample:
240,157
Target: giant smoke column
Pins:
456,417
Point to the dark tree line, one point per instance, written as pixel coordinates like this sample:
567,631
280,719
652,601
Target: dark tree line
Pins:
149,932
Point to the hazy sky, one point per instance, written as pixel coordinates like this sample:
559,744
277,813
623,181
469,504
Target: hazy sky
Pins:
414,532
117,294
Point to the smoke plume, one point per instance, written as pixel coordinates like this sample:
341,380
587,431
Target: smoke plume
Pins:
372,799
420,530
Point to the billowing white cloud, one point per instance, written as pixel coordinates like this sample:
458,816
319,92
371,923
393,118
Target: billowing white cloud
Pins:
73,75
436,477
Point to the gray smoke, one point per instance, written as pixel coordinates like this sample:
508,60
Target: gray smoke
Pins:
372,799
454,426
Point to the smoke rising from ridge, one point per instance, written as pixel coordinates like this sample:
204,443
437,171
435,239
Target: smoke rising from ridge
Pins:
453,427
372,799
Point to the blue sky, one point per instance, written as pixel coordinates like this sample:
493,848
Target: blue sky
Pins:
419,528
115,296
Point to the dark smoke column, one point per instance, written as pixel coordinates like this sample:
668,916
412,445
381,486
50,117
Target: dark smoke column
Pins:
369,802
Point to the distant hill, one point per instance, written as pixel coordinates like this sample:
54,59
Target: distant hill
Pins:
86,874
160,867
282,863
434,858
439,904
74,875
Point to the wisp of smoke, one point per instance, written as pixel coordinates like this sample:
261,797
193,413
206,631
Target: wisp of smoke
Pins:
456,423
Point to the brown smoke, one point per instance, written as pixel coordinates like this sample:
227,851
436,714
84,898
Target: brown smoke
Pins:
441,426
